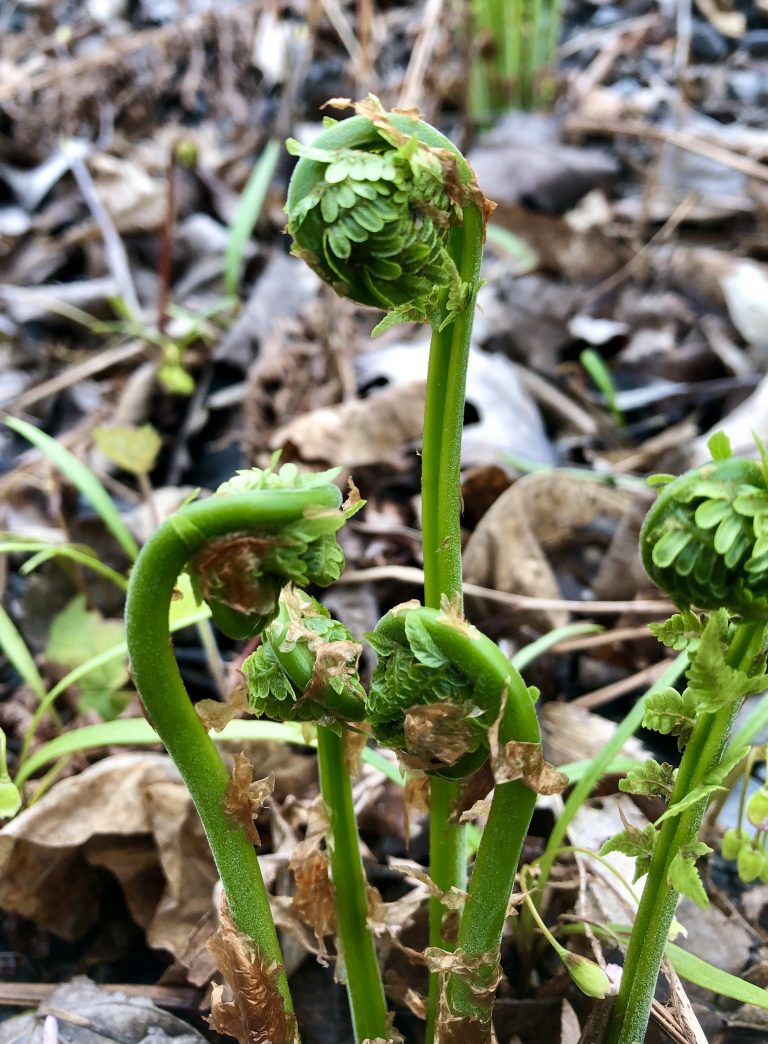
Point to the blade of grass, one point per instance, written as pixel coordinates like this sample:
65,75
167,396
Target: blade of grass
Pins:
82,478
15,649
247,214
44,552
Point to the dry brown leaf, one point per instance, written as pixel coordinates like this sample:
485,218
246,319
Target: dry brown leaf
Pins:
525,761
245,796
136,820
480,809
256,1012
315,900
453,899
482,975
375,430
216,715
436,731
508,549
416,799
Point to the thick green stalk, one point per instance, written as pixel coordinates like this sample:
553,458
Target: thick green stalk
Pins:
703,752
441,543
364,986
171,713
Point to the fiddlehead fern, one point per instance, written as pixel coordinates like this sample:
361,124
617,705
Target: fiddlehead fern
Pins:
286,524
306,669
704,543
371,207
446,697
705,540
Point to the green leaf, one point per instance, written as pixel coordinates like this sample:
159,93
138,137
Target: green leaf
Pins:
133,449
635,843
693,797
701,973
680,631
671,713
76,634
422,644
17,653
683,875
83,479
719,446
249,207
711,681
650,779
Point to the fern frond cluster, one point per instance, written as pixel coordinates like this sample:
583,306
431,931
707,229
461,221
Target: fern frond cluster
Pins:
705,540
371,207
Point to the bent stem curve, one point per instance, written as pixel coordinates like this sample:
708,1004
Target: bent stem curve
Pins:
162,691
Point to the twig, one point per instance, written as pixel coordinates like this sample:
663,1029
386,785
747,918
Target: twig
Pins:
411,91
413,575
682,139
639,680
117,259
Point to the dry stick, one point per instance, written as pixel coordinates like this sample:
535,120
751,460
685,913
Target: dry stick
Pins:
79,372
413,83
117,259
413,575
682,139
639,680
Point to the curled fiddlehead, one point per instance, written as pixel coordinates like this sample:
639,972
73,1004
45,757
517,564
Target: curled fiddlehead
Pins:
371,207
278,526
705,540
438,688
306,669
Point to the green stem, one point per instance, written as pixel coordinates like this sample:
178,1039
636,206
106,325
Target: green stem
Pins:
159,683
632,1007
441,543
364,986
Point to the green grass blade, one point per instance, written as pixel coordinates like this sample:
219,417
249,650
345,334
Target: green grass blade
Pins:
81,477
44,552
247,214
708,977
138,732
530,652
14,648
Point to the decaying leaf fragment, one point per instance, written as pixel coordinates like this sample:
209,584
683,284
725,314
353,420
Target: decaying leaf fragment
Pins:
215,715
436,730
482,974
314,903
245,796
256,1013
453,899
524,761
451,614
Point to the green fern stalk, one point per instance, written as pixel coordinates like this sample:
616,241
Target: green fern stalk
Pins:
704,542
387,211
261,530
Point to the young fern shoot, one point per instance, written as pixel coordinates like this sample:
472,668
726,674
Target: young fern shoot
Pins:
704,542
259,531
386,209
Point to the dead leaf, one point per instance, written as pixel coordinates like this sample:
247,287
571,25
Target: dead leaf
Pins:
215,715
315,900
256,1013
134,819
436,732
375,430
539,513
453,899
245,796
525,761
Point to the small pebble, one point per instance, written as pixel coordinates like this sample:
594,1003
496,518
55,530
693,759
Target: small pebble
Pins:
706,43
747,86
755,43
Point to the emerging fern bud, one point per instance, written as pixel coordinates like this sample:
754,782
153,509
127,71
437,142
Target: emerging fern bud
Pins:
705,540
371,207
241,575
439,687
